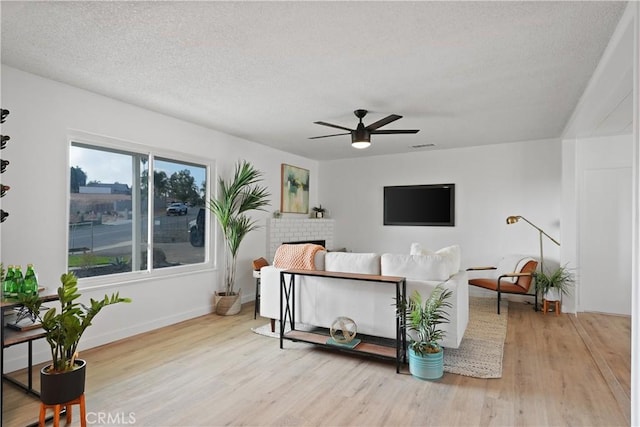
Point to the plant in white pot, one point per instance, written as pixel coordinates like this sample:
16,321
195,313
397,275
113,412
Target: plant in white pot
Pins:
554,284
63,380
238,196
319,211
423,320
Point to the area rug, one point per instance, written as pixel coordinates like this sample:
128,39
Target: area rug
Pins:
480,352
481,349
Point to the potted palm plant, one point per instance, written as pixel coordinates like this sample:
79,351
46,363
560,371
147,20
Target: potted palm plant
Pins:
554,284
236,198
63,380
426,356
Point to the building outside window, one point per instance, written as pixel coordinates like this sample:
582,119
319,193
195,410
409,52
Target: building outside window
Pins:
120,221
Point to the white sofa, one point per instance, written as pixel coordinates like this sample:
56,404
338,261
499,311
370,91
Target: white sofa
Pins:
371,305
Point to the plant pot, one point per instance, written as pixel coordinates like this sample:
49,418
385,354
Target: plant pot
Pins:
319,214
61,387
429,366
552,294
227,305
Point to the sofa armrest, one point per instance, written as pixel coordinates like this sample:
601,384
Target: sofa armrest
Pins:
459,311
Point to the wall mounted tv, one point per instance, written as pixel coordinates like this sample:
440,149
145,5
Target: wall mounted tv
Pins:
432,205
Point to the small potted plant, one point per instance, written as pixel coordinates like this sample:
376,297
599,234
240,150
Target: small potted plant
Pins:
426,356
63,380
555,284
319,211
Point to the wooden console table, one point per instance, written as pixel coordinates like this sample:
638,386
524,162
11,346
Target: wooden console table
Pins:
10,337
396,351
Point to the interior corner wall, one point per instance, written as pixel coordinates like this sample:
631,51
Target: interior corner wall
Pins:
42,113
492,183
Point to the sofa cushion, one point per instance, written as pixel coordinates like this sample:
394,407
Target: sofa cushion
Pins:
351,262
416,267
450,253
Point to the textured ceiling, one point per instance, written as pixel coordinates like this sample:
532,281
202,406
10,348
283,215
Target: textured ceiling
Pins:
464,73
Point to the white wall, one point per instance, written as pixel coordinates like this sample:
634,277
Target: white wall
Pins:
492,182
42,114
604,171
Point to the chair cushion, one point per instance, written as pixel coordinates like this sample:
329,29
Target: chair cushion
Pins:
416,267
492,284
352,262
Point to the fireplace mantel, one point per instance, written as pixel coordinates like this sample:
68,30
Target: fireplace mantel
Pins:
281,230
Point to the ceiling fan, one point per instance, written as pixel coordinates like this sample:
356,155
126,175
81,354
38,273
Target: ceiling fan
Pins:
361,135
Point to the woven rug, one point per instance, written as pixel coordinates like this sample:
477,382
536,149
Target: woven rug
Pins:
480,352
481,349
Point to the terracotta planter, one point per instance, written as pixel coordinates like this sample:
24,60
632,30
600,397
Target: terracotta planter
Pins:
61,387
227,305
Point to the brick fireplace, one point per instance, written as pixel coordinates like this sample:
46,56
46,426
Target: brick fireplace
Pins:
280,230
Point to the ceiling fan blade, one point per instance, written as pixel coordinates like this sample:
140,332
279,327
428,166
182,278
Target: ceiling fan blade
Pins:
327,136
385,121
333,126
391,131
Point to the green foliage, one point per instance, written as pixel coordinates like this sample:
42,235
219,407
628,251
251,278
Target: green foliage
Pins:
182,186
82,261
88,260
120,261
236,198
561,279
65,328
78,178
424,318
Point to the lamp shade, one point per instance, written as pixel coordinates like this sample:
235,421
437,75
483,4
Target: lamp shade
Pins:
512,219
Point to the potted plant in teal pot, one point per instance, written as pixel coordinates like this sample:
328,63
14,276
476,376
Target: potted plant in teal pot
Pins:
423,320
237,196
63,380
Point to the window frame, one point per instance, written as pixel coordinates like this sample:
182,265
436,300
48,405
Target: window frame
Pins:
106,143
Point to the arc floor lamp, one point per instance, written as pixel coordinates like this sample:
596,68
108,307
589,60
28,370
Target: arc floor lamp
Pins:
516,218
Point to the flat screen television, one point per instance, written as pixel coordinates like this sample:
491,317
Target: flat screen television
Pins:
432,205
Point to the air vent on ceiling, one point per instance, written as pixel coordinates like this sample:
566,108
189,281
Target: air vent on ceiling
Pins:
422,145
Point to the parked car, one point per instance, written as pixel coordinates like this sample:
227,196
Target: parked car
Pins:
196,229
177,209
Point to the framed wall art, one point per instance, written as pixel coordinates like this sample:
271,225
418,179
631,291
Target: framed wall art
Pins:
294,192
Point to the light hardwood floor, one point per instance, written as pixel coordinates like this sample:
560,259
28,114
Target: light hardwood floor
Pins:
214,371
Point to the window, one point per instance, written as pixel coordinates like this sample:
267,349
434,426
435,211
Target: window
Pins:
110,228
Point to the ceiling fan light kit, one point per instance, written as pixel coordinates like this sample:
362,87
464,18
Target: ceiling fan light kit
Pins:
361,135
360,144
